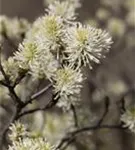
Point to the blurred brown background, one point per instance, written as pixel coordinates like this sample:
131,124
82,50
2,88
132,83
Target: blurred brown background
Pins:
115,71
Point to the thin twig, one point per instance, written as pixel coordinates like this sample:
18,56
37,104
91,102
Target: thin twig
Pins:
7,83
17,111
15,96
71,140
89,128
3,83
123,109
3,72
74,115
50,105
19,78
69,136
37,95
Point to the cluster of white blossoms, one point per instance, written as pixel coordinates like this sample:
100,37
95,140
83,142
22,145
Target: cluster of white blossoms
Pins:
86,44
18,131
14,28
57,47
129,119
22,140
68,86
30,144
46,64
11,68
26,53
51,33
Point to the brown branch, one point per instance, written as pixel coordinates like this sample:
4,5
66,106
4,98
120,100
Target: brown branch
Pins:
19,107
70,136
3,83
7,83
37,95
17,111
66,140
15,96
19,78
3,73
50,105
123,109
68,143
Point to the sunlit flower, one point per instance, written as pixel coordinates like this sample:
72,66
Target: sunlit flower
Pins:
129,119
68,85
86,44
35,52
23,140
26,54
44,65
30,144
50,34
11,68
18,130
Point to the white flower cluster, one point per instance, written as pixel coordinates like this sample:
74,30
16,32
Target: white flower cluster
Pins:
11,68
21,139
68,85
86,44
30,144
14,28
129,119
36,52
26,53
18,131
51,33
57,46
